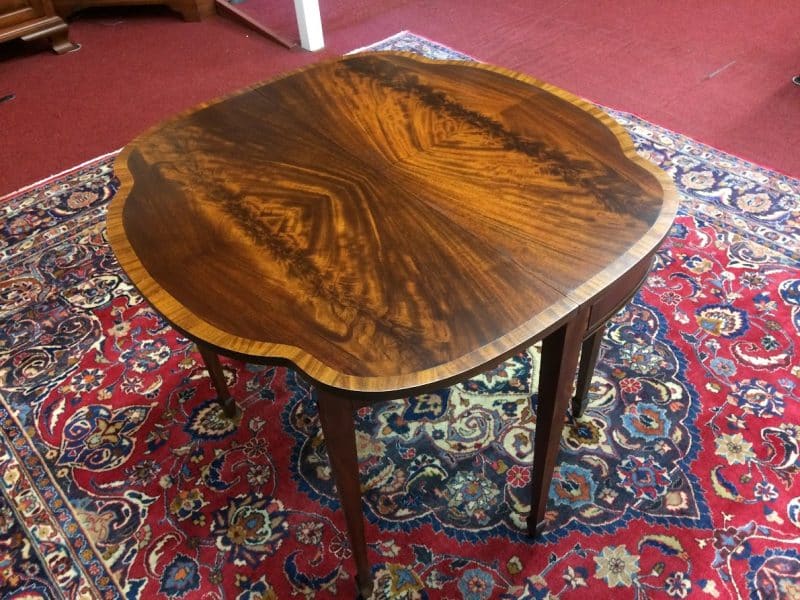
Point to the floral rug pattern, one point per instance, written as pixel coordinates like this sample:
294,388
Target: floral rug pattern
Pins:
119,478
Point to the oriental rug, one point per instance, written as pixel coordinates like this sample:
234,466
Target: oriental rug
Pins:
120,478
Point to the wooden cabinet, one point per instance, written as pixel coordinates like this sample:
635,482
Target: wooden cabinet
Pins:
191,10
33,19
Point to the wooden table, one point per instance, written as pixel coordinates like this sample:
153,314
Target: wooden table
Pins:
389,225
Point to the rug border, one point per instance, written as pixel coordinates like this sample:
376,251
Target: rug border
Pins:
61,174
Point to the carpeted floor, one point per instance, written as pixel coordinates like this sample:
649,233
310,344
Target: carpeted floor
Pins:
121,479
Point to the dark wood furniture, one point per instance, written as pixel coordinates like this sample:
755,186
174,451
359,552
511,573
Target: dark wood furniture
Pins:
389,225
308,17
190,10
31,20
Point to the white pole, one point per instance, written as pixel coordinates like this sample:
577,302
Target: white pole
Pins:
309,24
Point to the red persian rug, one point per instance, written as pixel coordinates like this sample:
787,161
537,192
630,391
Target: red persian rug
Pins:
121,479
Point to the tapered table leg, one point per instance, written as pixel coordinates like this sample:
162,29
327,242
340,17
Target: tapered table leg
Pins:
214,368
559,360
590,350
338,426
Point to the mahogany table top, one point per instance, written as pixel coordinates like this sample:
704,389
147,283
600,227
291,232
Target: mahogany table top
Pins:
384,222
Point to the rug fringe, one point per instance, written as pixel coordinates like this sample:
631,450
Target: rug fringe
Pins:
390,38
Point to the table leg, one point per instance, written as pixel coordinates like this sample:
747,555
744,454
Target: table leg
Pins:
589,353
338,426
214,368
559,360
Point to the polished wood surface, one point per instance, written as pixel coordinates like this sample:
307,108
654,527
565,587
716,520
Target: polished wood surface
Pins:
388,224
384,222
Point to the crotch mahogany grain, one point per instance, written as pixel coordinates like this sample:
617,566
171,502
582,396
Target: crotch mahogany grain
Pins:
388,224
